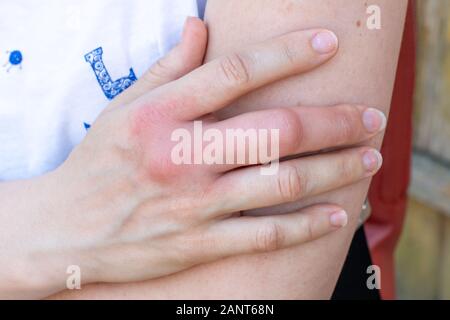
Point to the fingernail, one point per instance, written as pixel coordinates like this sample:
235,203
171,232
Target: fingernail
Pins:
324,42
374,120
186,25
189,19
372,160
339,219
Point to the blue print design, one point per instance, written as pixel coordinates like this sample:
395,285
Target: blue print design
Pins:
15,59
110,88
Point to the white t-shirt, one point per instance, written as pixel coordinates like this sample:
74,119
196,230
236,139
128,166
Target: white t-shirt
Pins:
62,61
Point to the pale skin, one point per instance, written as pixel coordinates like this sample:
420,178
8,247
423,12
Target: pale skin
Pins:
133,214
363,72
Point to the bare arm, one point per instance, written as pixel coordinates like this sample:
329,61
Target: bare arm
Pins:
363,72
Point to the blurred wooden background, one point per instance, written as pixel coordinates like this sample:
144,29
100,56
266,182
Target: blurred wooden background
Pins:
423,256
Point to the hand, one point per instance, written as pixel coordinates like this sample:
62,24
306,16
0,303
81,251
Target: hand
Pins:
123,211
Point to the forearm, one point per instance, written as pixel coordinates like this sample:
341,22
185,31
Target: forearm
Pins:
363,72
34,252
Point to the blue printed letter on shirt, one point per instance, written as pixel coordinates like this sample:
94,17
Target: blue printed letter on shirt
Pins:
110,88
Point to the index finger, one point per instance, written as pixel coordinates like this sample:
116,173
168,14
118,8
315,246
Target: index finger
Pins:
221,81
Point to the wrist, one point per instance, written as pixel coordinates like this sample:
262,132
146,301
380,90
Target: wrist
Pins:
71,247
37,248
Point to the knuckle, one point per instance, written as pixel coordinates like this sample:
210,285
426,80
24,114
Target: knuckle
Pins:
157,72
308,227
289,52
291,185
144,118
292,128
347,165
269,237
347,121
161,168
235,69
189,210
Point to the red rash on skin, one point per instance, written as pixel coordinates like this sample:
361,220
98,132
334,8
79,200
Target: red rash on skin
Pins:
150,128
146,118
159,113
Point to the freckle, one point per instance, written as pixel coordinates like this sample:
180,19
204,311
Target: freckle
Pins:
358,23
287,7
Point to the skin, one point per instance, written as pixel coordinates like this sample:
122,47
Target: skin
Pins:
133,214
363,72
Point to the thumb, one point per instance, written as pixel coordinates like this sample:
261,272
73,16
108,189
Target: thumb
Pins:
184,58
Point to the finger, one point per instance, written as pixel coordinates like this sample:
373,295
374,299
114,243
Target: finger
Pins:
185,57
299,130
221,81
249,235
289,181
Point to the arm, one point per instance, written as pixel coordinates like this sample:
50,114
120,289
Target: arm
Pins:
363,72
136,213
